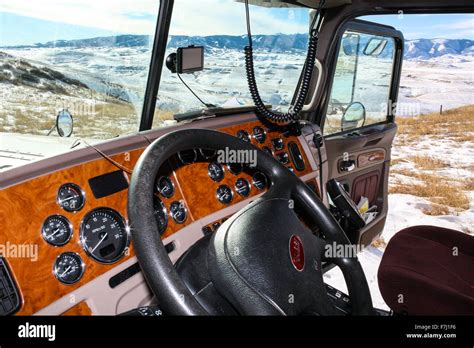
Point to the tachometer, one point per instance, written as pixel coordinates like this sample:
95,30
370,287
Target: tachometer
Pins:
70,197
56,230
68,268
104,235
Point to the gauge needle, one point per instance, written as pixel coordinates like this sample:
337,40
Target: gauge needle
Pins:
67,199
54,232
105,235
67,269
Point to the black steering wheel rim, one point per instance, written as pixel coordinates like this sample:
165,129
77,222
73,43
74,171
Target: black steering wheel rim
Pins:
171,292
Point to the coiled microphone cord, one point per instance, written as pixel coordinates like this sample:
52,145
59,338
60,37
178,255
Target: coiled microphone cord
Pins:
292,115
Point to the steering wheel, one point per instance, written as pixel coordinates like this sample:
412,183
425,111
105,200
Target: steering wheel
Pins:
263,260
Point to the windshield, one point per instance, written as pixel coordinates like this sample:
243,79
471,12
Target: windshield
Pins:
279,41
91,59
85,56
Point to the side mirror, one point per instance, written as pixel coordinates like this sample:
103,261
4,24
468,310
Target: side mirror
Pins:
375,47
354,113
64,123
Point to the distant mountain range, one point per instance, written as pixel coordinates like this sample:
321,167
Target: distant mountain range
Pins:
419,48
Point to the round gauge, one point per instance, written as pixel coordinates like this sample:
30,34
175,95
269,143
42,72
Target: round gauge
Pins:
267,150
165,186
56,230
242,187
259,180
70,197
224,194
104,235
259,134
178,212
235,168
215,171
161,215
208,153
243,135
187,156
68,268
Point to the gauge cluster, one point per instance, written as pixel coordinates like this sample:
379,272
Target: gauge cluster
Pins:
103,233
99,235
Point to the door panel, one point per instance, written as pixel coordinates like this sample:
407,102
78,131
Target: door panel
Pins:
370,149
358,125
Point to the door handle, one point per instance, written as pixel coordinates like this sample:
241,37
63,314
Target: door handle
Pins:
346,165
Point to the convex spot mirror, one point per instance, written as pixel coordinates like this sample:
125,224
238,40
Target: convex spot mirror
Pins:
64,123
375,46
353,115
350,44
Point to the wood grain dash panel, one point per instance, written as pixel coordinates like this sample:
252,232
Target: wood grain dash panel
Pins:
370,158
24,207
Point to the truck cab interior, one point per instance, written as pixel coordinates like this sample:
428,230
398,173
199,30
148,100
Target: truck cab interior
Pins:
232,210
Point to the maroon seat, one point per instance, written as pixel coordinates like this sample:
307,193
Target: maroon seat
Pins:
428,270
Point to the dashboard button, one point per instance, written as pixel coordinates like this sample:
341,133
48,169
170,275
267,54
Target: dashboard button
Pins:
259,134
243,135
283,158
278,144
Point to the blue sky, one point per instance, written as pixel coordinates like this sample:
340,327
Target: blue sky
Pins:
449,26
27,22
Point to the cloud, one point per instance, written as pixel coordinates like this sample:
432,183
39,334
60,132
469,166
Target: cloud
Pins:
190,17
113,15
464,24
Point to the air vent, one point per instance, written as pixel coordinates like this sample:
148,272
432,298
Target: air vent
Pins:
9,297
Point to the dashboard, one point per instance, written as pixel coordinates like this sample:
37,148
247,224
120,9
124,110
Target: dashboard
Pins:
72,220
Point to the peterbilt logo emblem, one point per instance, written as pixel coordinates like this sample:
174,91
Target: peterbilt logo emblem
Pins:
297,252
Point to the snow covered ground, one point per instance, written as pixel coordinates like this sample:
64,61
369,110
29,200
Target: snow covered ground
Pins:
428,83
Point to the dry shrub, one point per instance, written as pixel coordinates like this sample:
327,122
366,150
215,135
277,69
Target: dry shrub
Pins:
428,162
457,124
468,184
436,189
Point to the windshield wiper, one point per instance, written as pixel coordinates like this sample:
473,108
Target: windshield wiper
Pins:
201,114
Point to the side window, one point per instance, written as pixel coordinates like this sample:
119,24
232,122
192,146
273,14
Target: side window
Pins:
361,85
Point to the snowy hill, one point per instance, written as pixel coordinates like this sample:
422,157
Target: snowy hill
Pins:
414,49
426,49
20,72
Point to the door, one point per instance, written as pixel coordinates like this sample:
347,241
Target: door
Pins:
358,123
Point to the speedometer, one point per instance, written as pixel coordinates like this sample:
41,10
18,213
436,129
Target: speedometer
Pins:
104,235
